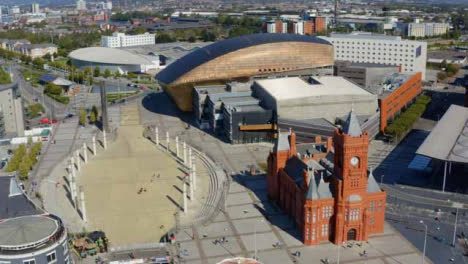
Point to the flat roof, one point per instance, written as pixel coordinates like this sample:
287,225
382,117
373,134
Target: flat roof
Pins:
14,203
108,56
26,230
449,138
364,35
295,87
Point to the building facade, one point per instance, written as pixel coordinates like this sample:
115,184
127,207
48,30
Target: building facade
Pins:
120,40
400,91
35,8
390,50
38,50
301,27
11,110
427,29
241,58
368,75
332,197
81,5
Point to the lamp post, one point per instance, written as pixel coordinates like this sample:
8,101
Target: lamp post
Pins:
425,238
381,179
338,257
455,229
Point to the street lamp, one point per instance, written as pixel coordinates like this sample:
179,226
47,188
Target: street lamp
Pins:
455,228
381,179
425,238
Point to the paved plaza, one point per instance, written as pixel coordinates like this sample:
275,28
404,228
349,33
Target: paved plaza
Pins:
248,214
133,188
250,221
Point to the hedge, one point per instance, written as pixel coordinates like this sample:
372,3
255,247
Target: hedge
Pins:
406,120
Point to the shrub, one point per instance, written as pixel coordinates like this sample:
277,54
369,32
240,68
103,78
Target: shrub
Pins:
407,118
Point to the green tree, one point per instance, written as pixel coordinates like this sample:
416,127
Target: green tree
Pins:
30,141
52,89
97,71
4,77
140,30
117,74
93,117
24,168
441,76
82,119
15,160
107,73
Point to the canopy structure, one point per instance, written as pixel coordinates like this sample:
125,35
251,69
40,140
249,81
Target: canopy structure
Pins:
448,140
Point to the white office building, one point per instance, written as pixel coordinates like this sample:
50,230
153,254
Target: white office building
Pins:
81,5
14,10
118,40
409,55
416,30
427,29
35,8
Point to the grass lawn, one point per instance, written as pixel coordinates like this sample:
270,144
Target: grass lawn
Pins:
31,76
117,96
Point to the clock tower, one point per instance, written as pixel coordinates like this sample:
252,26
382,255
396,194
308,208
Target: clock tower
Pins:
350,180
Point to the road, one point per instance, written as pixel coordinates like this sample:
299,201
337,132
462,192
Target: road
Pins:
54,109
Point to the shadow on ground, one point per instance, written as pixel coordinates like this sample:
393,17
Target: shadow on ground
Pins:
269,209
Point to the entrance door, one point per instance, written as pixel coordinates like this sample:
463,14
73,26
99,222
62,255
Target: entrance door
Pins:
351,234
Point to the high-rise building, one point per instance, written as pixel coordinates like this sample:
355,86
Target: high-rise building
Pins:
118,40
329,192
409,55
35,8
81,5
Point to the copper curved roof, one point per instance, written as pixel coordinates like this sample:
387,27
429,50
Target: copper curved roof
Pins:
210,52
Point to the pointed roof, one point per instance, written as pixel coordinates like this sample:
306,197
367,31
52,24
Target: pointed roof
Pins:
372,185
324,189
312,193
351,126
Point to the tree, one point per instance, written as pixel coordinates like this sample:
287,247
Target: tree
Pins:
93,117
97,71
140,30
52,89
441,76
24,168
95,110
82,119
117,74
107,73
192,39
15,161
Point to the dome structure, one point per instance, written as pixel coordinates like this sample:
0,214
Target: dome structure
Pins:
243,57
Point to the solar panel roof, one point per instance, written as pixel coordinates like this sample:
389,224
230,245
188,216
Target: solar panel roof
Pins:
210,52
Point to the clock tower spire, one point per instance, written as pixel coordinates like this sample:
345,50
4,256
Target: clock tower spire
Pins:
350,174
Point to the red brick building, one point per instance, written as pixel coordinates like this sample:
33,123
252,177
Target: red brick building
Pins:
391,103
331,194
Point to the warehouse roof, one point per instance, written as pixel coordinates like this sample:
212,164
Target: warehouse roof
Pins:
108,56
295,87
210,52
449,138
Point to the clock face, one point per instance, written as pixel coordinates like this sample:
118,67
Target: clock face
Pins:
354,161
